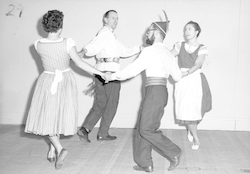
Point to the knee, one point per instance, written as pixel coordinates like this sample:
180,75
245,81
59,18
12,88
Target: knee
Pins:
144,132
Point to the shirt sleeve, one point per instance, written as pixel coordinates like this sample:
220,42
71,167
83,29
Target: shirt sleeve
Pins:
175,71
127,51
98,43
35,44
177,47
203,50
70,43
136,67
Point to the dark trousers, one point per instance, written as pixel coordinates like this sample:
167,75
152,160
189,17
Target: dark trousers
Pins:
148,136
105,105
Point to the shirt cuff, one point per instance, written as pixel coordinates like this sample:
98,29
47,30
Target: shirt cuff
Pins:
113,76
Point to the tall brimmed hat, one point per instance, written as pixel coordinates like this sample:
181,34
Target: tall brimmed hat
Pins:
163,26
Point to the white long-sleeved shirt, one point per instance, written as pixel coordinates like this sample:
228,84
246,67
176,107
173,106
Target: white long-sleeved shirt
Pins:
157,60
105,45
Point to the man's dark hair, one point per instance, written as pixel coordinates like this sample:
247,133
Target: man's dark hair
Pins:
107,13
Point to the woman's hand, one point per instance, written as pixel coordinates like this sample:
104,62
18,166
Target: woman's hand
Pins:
82,52
184,73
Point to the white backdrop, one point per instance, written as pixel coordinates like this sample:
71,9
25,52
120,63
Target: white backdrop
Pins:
225,28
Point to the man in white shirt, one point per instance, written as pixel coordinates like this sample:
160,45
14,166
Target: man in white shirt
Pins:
159,63
108,51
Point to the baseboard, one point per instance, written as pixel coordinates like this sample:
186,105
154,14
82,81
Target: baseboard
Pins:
208,123
229,124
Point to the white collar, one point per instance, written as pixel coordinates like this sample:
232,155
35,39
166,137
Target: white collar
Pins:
109,28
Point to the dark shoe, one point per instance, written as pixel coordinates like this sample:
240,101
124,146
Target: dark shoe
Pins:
83,135
51,159
108,137
174,162
60,158
145,169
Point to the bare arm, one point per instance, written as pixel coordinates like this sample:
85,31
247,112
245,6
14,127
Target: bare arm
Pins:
198,63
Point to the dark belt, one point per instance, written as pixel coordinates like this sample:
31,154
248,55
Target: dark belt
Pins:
103,81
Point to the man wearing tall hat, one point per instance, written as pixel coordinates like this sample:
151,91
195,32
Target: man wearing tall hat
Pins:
159,63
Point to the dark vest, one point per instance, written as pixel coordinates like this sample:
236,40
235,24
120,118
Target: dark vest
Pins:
186,60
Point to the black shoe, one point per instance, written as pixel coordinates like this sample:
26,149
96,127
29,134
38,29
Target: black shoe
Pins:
174,162
145,169
108,137
83,135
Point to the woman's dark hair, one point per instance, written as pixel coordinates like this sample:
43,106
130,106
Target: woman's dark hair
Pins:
52,21
196,27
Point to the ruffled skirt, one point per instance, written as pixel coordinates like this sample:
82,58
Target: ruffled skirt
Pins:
53,114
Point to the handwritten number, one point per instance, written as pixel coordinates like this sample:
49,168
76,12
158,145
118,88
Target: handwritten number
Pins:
20,7
11,10
20,14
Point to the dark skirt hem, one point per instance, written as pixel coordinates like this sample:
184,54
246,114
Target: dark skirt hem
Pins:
188,121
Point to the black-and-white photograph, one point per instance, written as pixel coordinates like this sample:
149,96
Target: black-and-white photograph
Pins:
125,86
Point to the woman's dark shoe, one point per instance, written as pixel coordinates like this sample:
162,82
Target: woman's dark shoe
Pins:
60,159
51,159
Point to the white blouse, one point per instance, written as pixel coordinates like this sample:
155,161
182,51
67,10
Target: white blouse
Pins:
190,48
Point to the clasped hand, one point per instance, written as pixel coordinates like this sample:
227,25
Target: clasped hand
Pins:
107,77
82,53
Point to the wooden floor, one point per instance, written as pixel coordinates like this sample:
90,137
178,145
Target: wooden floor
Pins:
220,152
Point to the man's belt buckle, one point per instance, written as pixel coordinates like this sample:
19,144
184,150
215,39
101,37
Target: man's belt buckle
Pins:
115,59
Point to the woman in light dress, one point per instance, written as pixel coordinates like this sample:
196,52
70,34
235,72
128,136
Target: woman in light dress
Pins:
54,107
192,93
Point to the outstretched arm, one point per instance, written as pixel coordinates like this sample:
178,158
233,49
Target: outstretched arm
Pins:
127,52
82,64
174,52
82,53
135,68
198,64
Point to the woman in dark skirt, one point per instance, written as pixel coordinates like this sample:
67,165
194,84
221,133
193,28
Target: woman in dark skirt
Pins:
192,93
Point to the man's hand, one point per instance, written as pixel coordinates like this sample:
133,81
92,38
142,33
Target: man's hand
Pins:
141,48
107,77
